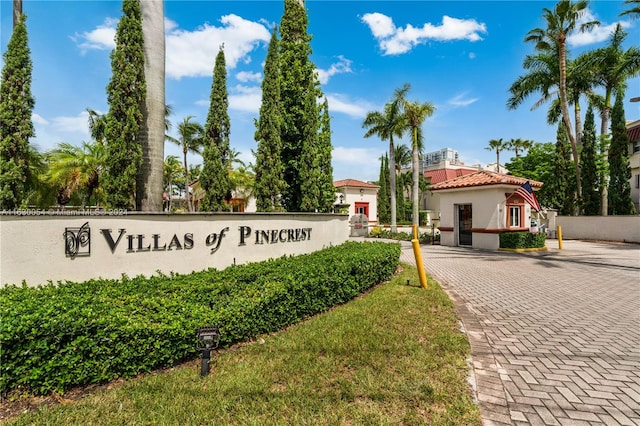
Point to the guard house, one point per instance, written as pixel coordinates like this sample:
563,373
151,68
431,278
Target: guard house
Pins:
475,209
360,197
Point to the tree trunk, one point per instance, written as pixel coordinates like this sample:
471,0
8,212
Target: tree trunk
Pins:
149,182
565,113
416,180
392,184
17,11
187,194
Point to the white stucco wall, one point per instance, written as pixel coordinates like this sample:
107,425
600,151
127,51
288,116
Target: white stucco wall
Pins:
32,248
604,228
353,195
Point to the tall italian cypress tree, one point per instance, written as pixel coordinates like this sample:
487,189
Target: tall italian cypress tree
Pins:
299,132
327,190
589,176
563,193
620,201
16,127
126,94
269,183
384,209
216,160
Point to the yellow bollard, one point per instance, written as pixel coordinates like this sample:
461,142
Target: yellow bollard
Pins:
418,254
559,232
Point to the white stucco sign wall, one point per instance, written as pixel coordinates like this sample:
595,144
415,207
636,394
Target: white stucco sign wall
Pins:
41,247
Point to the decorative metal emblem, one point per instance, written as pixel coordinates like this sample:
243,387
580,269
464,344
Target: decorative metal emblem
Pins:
77,241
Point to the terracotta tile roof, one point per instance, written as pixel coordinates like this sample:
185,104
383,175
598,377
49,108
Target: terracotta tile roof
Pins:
484,178
441,175
634,131
353,183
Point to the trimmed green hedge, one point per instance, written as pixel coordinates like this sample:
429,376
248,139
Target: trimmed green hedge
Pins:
520,240
56,336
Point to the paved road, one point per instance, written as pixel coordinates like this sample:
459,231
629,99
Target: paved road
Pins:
555,336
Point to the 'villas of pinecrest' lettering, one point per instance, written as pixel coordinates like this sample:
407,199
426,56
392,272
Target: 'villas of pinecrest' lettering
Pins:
273,236
139,243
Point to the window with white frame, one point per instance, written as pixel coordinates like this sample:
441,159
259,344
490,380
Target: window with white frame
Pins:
514,216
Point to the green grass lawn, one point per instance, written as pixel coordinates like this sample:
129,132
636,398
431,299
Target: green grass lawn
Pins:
393,356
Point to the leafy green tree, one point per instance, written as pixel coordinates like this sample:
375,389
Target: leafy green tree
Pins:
537,164
269,178
496,145
561,22
564,188
620,202
327,190
16,127
384,211
611,67
126,93
216,164
588,158
190,140
386,125
299,111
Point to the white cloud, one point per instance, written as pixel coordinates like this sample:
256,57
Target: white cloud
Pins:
77,124
245,76
38,119
338,103
595,35
395,41
245,98
101,38
381,25
461,100
193,53
357,163
342,66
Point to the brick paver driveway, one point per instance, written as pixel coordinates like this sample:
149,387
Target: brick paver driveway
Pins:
555,336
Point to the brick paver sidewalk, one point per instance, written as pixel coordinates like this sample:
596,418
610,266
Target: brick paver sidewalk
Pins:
555,336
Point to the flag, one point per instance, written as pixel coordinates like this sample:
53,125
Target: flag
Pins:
526,192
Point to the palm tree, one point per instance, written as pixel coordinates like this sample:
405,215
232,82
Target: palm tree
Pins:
402,157
97,125
561,22
152,132
386,125
190,140
496,145
634,12
517,145
416,112
173,171
76,169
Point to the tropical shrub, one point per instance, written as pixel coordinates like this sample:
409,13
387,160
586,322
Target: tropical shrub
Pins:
53,337
520,240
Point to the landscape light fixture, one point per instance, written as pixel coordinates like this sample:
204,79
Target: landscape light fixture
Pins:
209,337
341,198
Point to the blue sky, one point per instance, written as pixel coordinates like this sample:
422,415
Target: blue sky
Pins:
462,56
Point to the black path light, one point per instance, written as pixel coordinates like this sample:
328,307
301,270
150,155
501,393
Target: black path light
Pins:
209,336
